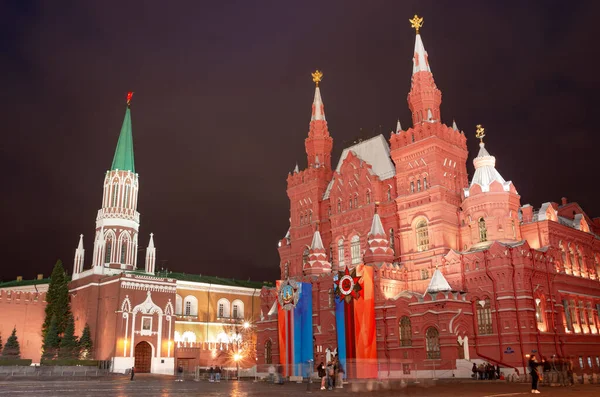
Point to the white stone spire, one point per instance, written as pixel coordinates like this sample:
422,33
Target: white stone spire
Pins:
420,61
398,127
317,242
79,255
377,226
485,169
99,247
296,170
438,283
454,126
317,163
150,256
318,110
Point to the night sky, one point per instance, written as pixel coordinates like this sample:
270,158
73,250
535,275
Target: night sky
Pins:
222,105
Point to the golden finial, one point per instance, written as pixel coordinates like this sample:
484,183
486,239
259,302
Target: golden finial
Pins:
317,76
480,132
416,23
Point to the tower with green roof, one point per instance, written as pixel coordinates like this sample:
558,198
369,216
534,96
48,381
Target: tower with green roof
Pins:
118,221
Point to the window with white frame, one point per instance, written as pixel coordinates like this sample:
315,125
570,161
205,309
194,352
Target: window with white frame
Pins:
224,308
422,232
190,306
355,250
484,317
482,230
237,309
146,326
178,305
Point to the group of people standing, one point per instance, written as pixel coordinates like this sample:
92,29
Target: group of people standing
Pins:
214,374
331,374
486,371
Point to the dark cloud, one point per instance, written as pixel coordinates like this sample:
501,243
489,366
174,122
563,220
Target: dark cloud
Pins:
222,106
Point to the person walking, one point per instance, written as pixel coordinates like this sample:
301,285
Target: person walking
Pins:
218,374
535,376
132,373
180,373
211,374
321,373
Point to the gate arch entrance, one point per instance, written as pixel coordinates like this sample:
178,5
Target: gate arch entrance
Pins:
143,357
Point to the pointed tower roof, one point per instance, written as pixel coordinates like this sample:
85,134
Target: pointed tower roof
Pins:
454,126
420,59
296,170
398,127
123,159
80,245
377,226
485,166
151,242
317,242
318,109
317,256
438,283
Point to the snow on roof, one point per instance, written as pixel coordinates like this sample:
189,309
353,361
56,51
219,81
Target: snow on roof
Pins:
375,152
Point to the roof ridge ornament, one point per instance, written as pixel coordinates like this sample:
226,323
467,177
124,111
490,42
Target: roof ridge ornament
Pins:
480,132
317,76
416,23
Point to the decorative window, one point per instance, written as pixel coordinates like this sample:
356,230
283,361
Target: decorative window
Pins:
340,253
418,185
389,194
238,309
412,186
568,316
580,261
123,251
572,257
268,352
573,309
539,313
432,338
422,236
190,306
424,183
368,197
108,253
392,242
355,201
590,312
310,216
350,203
424,274
482,230
581,314
484,317
305,255
224,308
146,326
405,331
339,206
355,250
115,194
329,211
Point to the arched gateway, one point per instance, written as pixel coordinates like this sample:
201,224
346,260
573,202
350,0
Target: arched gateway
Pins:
143,357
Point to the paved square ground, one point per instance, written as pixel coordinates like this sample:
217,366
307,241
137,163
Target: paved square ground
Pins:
152,386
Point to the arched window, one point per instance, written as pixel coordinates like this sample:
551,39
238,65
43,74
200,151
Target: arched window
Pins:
356,201
305,255
190,306
237,309
350,203
412,186
108,251
432,338
572,259
389,193
126,199
405,331
223,307
539,313
568,314
392,242
422,235
355,250
310,216
418,185
582,319
484,317
339,206
580,261
424,183
482,230
115,194
268,353
178,305
341,253
124,244
368,197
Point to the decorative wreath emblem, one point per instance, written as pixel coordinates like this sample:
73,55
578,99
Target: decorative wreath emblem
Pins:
288,294
347,285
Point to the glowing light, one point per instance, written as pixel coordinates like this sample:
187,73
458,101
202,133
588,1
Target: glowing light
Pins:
246,324
237,357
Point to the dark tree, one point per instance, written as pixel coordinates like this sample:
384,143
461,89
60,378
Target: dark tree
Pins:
0,344
57,300
51,341
69,345
86,345
12,350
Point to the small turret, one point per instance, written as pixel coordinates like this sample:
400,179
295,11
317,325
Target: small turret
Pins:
150,256
317,256
79,256
379,250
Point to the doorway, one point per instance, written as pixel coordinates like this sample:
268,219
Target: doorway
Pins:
143,357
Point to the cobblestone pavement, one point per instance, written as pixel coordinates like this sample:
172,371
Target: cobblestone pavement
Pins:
150,386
